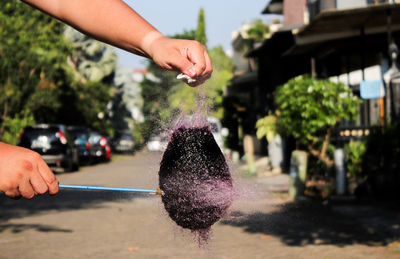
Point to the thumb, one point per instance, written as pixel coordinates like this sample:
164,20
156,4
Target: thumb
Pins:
184,65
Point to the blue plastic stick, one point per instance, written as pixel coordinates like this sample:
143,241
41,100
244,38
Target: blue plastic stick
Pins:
85,187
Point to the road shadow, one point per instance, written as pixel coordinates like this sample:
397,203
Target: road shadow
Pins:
18,228
308,223
65,200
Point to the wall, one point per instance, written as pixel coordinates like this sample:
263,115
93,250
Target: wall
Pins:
354,78
293,11
343,4
329,4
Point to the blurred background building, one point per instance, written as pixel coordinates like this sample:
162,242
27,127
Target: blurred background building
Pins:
351,41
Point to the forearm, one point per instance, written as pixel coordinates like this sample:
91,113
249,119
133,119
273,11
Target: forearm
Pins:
111,21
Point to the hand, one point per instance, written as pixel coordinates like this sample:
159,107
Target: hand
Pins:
24,173
186,56
112,22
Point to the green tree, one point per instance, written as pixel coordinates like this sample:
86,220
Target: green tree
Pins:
85,100
186,98
201,35
185,35
92,60
32,63
37,85
309,108
355,151
156,108
258,30
156,103
168,96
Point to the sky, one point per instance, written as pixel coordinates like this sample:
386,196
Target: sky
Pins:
170,17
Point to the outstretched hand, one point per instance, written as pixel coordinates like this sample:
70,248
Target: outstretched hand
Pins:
114,22
24,173
187,56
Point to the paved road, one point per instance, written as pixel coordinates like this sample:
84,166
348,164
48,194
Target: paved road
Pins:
91,224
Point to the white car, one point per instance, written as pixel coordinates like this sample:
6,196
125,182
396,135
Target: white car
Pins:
157,143
217,131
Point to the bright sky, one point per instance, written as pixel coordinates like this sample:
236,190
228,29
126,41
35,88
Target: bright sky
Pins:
174,16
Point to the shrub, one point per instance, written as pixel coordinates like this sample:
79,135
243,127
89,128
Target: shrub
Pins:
308,110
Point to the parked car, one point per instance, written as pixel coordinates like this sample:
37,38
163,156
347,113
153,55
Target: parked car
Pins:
157,143
101,150
217,131
81,135
54,143
123,142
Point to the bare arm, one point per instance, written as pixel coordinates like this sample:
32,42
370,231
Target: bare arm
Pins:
24,173
114,22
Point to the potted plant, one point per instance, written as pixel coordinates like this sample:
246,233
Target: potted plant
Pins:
309,109
268,127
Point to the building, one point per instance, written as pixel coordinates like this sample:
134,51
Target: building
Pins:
125,110
343,40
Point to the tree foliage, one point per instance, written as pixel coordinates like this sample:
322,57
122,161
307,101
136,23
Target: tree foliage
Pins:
186,98
36,82
32,63
258,30
93,64
156,107
355,151
201,35
92,60
168,96
309,108
267,127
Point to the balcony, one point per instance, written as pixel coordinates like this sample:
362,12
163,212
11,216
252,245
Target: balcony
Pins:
317,6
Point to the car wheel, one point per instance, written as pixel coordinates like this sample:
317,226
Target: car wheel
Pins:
75,167
68,166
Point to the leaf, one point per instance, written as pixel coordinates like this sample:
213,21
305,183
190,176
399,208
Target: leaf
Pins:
309,107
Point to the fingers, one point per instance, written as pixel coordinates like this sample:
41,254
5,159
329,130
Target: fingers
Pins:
13,193
24,173
38,183
196,56
187,56
209,69
200,69
48,177
184,65
26,190
201,61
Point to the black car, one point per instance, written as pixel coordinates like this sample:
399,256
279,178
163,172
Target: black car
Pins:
54,143
81,135
123,142
101,150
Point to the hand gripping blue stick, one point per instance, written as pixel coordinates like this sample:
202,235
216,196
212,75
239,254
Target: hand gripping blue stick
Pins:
102,188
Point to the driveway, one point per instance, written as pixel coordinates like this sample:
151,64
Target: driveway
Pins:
262,222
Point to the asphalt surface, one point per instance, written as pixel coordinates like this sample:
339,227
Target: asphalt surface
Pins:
261,224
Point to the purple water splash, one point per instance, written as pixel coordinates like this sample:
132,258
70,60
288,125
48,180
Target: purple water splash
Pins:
195,178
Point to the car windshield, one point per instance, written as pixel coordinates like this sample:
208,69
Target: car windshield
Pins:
40,137
79,133
36,132
155,138
94,137
126,136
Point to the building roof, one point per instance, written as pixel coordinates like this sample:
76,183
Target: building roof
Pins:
340,39
274,7
278,42
334,24
352,38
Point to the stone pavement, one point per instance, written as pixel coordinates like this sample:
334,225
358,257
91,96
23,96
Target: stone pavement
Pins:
262,223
